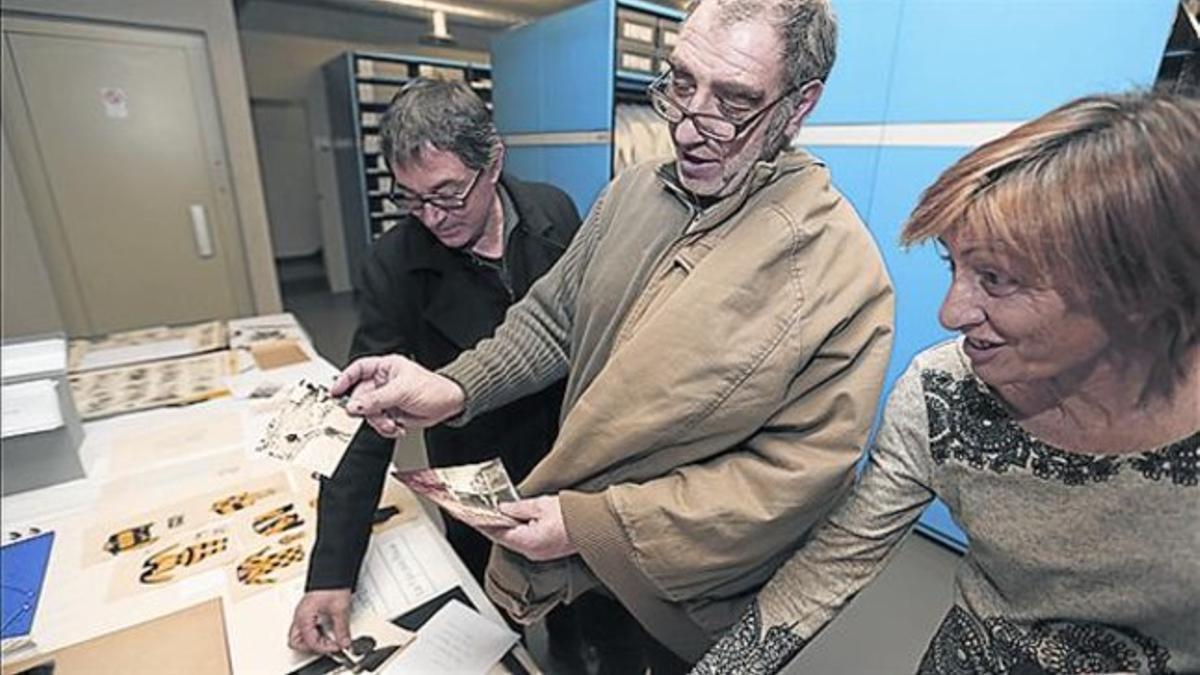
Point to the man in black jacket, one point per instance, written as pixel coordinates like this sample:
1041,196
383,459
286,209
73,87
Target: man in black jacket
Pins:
471,243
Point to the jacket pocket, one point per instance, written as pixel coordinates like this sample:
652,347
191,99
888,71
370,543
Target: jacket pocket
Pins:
526,590
674,269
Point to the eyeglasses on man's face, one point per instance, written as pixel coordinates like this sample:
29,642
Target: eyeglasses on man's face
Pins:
713,127
409,202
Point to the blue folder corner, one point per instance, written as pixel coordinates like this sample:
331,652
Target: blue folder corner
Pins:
22,571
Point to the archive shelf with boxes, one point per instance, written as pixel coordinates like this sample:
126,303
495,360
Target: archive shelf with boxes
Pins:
569,91
359,86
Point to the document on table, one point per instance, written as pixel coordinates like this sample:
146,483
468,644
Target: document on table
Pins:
456,640
404,567
29,407
109,357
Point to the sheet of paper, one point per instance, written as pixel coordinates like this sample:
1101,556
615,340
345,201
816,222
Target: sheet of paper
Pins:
186,555
311,430
30,358
142,446
123,533
124,355
29,407
145,345
404,567
190,640
258,631
455,640
110,391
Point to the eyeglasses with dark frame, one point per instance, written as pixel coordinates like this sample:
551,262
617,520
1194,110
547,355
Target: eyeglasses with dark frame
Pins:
410,203
713,127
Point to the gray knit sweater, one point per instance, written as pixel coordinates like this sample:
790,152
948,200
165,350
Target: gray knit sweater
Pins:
1077,563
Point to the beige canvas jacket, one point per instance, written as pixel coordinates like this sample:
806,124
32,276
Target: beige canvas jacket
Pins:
724,365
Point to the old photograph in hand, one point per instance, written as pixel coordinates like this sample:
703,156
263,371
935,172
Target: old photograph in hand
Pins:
471,493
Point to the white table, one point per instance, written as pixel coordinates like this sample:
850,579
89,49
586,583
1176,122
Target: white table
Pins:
74,605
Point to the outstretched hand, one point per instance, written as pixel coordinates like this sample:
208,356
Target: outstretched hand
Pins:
395,394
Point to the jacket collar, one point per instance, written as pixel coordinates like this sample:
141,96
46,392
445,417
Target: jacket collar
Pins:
762,174
528,210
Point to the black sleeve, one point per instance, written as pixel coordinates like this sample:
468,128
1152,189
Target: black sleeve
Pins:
348,500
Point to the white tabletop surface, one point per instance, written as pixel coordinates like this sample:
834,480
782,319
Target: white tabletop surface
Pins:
74,605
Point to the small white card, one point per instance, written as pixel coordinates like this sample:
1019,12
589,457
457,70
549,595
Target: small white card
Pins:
455,640
29,407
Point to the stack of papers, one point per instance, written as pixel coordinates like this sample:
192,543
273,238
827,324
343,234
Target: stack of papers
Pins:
145,345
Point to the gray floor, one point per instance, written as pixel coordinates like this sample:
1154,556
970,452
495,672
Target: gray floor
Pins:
883,632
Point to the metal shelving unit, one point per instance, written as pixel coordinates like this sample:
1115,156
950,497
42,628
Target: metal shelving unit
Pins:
359,86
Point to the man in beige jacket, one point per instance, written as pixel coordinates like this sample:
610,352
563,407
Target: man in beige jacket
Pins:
724,321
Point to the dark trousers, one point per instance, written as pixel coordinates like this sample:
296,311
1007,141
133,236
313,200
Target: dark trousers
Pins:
614,642
595,628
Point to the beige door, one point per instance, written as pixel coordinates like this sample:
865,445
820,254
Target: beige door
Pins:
115,135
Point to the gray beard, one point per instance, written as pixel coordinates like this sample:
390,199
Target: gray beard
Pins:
776,141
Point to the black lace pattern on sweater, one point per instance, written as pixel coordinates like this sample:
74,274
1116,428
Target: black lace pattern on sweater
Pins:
746,650
997,646
968,425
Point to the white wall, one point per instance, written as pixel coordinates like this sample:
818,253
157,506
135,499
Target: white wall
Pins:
27,302
215,20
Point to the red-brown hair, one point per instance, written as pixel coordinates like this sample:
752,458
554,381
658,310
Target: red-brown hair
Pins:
1101,197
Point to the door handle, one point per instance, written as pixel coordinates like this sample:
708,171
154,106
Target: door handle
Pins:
204,244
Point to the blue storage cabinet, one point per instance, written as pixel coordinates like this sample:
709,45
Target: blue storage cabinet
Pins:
555,84
934,63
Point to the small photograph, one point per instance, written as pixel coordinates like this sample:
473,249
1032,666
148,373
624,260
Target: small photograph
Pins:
311,429
471,493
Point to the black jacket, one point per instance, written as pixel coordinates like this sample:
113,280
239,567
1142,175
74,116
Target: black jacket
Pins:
421,299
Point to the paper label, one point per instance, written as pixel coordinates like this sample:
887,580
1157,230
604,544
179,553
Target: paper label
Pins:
636,31
116,103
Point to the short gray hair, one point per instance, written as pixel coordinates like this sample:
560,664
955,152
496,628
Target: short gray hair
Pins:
447,115
807,28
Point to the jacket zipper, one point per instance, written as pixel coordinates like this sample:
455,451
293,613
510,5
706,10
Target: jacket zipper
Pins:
661,268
